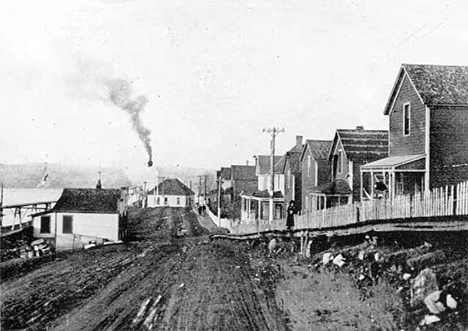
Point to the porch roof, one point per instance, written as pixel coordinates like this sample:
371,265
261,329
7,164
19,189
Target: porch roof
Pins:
392,162
337,187
261,195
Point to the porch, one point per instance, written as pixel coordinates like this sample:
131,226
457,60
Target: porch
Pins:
393,176
329,195
257,206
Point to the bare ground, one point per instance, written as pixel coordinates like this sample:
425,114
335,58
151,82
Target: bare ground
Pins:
157,282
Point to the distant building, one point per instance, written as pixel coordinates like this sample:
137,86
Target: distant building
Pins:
81,216
170,193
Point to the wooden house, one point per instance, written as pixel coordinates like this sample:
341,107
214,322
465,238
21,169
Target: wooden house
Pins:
256,200
315,169
81,216
170,193
350,149
428,139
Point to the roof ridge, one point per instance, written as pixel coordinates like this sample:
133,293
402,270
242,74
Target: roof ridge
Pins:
433,65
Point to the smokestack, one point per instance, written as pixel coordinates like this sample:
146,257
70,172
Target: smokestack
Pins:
99,185
120,94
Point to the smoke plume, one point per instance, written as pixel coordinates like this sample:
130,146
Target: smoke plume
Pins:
120,94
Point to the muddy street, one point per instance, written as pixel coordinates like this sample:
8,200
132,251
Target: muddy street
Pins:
156,282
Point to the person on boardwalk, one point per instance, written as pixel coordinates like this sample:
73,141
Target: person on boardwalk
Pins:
292,210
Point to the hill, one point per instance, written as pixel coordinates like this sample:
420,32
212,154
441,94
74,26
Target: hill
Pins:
32,175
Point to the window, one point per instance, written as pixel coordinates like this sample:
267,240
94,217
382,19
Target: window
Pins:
340,161
67,224
289,178
316,173
309,165
158,201
45,224
178,201
165,201
406,119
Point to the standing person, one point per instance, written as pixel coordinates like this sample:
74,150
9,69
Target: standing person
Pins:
291,211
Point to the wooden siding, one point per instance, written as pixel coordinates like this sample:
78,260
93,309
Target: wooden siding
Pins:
345,169
448,145
308,182
324,172
414,143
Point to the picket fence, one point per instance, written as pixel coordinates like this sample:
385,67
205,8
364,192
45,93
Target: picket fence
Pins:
442,201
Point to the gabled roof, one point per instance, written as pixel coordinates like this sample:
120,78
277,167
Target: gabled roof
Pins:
361,145
240,172
171,186
88,200
294,160
318,148
263,163
435,84
279,165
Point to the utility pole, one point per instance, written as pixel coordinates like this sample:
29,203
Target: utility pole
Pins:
220,183
199,188
273,132
205,186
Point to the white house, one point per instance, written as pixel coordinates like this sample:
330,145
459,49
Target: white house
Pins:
170,193
81,216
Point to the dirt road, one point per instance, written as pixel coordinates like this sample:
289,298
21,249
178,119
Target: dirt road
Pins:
154,283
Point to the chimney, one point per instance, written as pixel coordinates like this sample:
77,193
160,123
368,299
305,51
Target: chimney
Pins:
298,142
247,162
360,128
99,185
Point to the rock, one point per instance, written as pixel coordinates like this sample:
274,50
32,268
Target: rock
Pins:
326,258
433,304
339,260
361,255
429,319
451,302
421,286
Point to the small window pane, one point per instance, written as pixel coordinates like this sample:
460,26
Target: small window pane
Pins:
45,224
67,224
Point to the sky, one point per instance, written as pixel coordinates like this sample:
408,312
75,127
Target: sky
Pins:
214,74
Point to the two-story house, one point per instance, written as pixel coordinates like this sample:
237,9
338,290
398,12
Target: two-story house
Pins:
315,170
255,203
428,124
350,149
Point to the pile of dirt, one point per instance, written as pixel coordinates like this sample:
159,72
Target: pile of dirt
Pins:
368,285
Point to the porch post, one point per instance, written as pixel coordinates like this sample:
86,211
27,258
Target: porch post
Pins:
372,184
360,192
